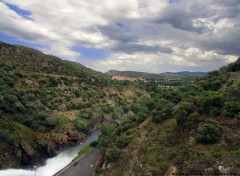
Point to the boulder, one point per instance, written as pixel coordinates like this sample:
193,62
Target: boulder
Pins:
60,139
73,136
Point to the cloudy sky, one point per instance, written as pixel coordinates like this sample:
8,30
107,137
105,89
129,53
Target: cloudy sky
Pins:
140,35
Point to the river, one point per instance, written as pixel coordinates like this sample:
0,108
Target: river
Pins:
53,165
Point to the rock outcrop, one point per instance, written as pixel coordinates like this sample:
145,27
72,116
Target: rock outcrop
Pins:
29,154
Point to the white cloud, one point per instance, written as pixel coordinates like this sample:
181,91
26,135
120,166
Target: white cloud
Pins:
152,35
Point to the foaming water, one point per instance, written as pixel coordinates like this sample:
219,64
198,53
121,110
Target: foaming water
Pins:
53,165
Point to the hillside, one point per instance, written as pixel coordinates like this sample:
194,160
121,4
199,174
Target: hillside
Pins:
47,104
164,79
135,74
192,129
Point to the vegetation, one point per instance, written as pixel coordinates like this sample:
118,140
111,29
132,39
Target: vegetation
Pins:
191,126
85,149
47,103
209,133
147,127
163,79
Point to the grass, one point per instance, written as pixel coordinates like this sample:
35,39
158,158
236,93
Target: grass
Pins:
85,149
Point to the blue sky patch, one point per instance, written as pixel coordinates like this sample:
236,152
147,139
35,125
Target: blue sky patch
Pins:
91,53
21,12
123,26
173,1
16,41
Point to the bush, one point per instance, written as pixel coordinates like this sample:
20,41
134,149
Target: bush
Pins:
123,141
51,121
112,155
103,141
164,114
80,125
211,103
94,144
181,113
232,108
107,129
86,114
209,133
5,136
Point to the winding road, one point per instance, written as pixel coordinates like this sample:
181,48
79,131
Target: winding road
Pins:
83,167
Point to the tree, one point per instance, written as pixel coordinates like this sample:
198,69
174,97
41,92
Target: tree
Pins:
209,133
232,108
165,113
181,113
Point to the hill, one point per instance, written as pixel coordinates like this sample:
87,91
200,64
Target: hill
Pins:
27,59
135,74
189,130
164,79
47,104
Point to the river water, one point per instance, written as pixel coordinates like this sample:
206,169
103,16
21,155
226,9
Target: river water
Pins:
56,163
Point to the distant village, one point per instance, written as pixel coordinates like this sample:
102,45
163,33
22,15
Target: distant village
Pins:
126,78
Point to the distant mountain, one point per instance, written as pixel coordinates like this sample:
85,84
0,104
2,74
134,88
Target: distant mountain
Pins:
185,73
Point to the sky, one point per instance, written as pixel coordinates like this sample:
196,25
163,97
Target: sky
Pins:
139,35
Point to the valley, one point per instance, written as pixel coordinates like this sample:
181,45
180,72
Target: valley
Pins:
167,124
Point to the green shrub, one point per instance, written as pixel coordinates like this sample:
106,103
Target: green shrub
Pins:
80,125
209,133
94,144
164,114
181,113
86,114
232,108
51,121
112,155
107,129
103,141
5,136
77,93
123,141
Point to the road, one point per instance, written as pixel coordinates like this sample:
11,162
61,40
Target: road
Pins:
83,167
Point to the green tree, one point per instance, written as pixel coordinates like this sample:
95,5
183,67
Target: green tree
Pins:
112,155
165,113
209,133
